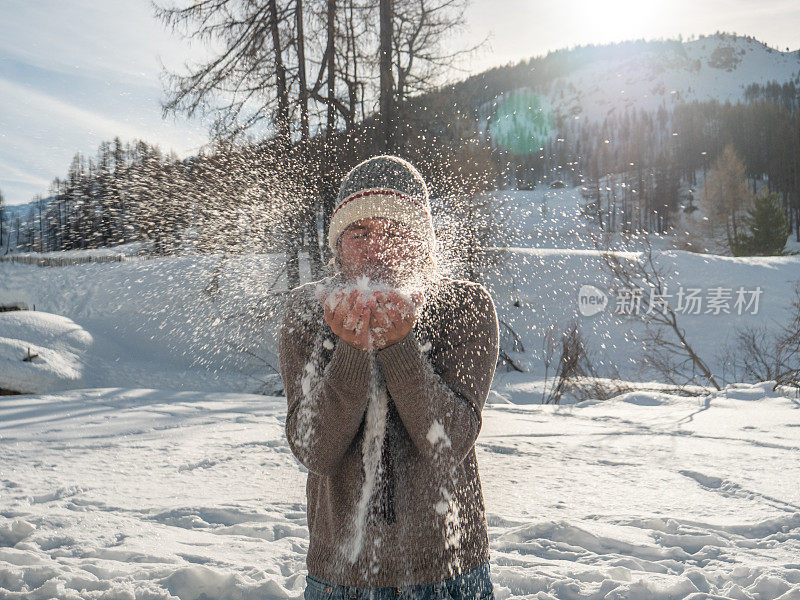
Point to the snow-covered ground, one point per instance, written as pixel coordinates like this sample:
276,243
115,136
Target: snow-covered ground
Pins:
149,494
168,323
120,479
208,322
152,323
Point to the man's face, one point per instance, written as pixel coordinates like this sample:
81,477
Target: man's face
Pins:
381,249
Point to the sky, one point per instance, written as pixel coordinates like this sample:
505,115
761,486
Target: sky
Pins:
73,74
519,29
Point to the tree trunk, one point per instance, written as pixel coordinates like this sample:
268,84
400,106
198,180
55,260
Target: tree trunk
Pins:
312,235
312,241
294,233
327,188
386,133
280,75
301,70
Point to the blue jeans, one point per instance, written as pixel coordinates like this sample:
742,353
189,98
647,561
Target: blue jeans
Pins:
474,584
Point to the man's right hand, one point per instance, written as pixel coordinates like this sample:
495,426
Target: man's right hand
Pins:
348,316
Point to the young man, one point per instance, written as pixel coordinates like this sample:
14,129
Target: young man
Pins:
386,368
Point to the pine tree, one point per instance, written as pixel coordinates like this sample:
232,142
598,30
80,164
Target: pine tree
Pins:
767,228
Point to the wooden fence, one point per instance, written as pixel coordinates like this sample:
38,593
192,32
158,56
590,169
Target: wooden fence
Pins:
64,261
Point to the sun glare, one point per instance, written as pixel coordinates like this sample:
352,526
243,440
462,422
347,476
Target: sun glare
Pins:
615,20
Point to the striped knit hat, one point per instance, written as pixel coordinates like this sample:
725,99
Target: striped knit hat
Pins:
383,186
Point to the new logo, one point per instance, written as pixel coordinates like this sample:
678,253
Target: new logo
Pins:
591,300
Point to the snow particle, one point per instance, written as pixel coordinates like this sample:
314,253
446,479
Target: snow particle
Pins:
436,434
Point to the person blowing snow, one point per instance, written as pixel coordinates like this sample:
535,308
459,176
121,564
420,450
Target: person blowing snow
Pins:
386,366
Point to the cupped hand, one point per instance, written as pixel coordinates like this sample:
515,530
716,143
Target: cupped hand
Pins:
392,317
348,316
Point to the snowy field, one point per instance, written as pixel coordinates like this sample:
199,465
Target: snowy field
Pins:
120,479
189,323
145,494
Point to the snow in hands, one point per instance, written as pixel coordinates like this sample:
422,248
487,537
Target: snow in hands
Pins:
369,314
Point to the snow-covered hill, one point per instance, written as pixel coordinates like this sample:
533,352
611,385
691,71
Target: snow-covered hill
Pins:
549,257
710,68
635,77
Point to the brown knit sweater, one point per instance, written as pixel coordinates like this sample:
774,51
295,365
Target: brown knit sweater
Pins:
425,519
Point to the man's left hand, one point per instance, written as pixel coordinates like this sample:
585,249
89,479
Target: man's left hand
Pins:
392,318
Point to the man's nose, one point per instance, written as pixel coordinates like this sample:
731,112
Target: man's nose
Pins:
377,245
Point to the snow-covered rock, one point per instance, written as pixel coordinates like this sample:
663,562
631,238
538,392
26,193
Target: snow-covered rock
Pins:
40,352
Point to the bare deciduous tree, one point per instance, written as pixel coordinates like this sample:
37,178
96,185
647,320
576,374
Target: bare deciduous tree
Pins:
759,354
242,84
269,62
419,32
669,350
572,361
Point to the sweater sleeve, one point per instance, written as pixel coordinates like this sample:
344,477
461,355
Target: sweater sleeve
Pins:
325,409
442,411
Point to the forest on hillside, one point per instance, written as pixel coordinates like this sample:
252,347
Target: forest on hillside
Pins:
638,170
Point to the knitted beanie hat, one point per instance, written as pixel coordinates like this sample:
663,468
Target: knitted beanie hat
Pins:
383,186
